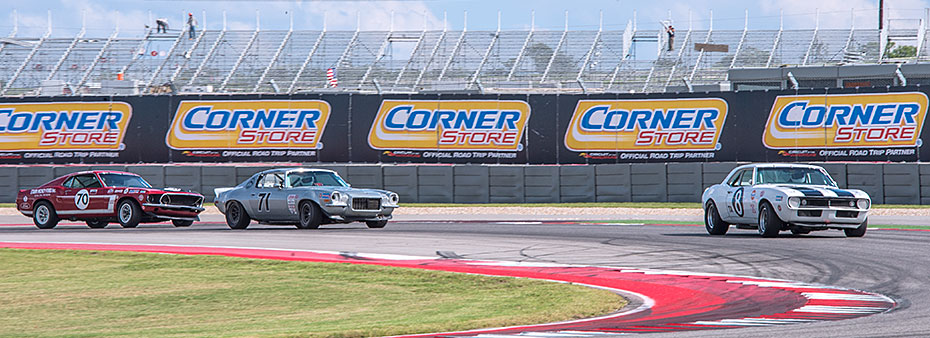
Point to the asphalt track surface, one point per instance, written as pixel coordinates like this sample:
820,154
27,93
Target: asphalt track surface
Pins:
889,262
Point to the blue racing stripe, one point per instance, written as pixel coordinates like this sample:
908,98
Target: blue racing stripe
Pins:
841,193
809,192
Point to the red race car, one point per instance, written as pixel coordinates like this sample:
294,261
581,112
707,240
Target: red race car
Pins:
101,196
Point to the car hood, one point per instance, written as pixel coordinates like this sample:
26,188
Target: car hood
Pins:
806,190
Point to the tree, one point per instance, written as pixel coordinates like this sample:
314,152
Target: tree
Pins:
892,51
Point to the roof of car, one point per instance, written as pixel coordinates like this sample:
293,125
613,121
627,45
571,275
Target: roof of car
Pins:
296,169
777,165
102,172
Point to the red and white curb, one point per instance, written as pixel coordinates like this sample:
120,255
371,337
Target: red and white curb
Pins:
667,300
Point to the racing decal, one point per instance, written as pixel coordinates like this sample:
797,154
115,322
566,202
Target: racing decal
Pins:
42,191
490,125
63,126
846,121
647,125
248,124
779,198
263,205
82,199
737,202
292,203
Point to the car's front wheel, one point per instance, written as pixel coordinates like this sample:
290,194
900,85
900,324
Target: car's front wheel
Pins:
44,215
712,221
97,224
181,223
376,224
236,217
128,213
769,223
859,231
310,216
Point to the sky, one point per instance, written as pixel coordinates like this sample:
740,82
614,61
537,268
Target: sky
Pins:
102,16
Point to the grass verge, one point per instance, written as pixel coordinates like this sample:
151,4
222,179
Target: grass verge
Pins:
52,293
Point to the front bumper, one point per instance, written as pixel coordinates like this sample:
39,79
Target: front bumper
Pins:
825,218
172,211
347,214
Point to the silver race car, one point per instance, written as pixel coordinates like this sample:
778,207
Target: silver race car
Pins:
777,197
305,198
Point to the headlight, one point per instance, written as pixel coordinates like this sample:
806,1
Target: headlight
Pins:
390,199
803,202
339,198
155,198
863,203
794,202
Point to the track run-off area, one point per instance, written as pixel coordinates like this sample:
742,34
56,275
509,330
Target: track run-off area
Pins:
680,281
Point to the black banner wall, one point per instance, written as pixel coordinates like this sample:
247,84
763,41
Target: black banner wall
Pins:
873,124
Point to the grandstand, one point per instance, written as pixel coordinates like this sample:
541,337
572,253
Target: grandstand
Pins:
296,61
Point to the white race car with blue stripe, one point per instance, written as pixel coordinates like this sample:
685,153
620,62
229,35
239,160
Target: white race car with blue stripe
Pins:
777,197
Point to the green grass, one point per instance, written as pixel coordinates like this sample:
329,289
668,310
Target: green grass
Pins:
87,293
891,226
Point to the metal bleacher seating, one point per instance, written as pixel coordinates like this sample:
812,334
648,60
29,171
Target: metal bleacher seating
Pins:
294,61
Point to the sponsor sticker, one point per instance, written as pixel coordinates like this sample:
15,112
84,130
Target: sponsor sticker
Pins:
488,125
846,121
248,124
646,125
63,126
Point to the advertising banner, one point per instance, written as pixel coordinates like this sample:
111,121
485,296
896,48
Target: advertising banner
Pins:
681,125
846,125
868,124
449,128
248,128
49,130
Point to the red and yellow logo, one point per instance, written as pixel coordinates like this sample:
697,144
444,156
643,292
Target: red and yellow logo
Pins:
63,126
846,120
646,125
449,125
248,124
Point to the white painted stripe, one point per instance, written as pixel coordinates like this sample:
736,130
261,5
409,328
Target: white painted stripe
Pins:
839,309
518,223
81,212
788,285
551,334
592,333
844,296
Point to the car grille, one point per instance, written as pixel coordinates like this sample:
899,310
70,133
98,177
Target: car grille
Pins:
181,199
366,204
832,202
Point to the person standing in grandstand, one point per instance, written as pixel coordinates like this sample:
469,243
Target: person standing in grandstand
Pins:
191,26
671,37
162,25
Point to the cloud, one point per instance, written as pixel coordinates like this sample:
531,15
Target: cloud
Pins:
408,15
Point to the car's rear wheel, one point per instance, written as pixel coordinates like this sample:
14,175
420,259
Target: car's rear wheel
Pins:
181,223
376,224
44,215
97,224
769,223
128,213
236,217
310,216
712,221
857,232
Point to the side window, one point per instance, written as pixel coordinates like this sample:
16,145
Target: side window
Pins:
85,181
270,181
735,179
69,182
746,179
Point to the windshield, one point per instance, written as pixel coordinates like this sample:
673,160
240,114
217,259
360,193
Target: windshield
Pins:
124,180
315,178
807,176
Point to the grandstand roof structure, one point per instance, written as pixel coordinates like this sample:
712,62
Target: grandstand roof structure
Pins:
490,61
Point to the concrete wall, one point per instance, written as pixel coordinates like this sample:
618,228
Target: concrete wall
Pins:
890,183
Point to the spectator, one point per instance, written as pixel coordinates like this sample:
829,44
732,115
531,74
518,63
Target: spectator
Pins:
671,36
191,26
162,25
